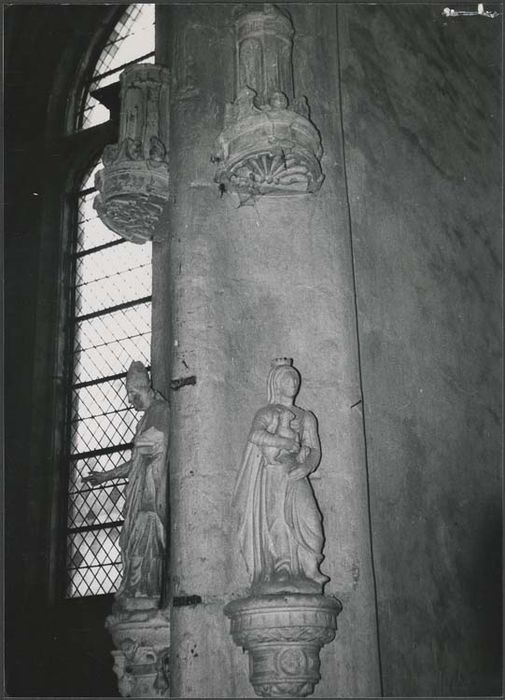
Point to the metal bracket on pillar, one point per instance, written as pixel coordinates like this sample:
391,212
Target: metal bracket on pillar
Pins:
133,185
268,146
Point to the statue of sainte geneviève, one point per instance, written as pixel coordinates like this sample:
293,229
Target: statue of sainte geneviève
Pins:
280,528
143,534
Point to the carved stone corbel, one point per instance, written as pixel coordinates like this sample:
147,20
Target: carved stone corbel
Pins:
133,185
283,635
268,145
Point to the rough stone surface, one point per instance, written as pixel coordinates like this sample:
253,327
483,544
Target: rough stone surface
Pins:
248,285
423,148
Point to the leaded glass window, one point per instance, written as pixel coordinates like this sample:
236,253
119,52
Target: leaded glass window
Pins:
132,41
109,326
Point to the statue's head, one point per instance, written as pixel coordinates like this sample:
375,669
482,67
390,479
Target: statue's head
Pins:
138,386
283,380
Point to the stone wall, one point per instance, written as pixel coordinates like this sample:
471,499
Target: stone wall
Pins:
422,114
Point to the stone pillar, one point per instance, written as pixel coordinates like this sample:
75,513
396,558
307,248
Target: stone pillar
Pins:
249,284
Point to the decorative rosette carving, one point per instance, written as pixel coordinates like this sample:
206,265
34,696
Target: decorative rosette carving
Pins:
268,145
283,635
273,149
133,185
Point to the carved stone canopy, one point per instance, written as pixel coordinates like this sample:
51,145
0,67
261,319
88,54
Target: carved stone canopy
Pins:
133,185
268,145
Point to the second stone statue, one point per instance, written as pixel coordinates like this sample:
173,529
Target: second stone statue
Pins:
280,532
286,619
139,623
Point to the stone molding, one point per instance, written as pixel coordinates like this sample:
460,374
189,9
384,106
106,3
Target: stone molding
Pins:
141,658
268,145
283,635
133,185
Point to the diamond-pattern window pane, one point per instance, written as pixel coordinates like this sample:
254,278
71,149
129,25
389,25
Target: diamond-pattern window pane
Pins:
97,463
113,261
105,344
93,562
115,326
132,37
96,506
95,581
93,548
92,233
99,432
97,399
111,291
106,359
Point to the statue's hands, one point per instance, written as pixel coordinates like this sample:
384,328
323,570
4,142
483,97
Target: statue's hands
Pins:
303,454
291,444
298,472
300,468
95,478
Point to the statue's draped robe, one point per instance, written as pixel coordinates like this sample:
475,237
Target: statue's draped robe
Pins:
280,531
142,539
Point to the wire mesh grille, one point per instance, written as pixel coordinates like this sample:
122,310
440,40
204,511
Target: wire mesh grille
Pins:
101,423
131,40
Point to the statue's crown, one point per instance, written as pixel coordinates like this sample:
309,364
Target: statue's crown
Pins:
137,375
281,361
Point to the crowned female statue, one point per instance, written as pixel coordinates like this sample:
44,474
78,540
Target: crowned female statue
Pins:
142,539
280,528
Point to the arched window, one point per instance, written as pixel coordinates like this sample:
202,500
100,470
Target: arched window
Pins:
131,41
108,325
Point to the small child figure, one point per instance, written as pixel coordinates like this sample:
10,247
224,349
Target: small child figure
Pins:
282,428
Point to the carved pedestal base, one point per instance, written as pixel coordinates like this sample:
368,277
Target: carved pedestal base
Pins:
283,635
141,661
